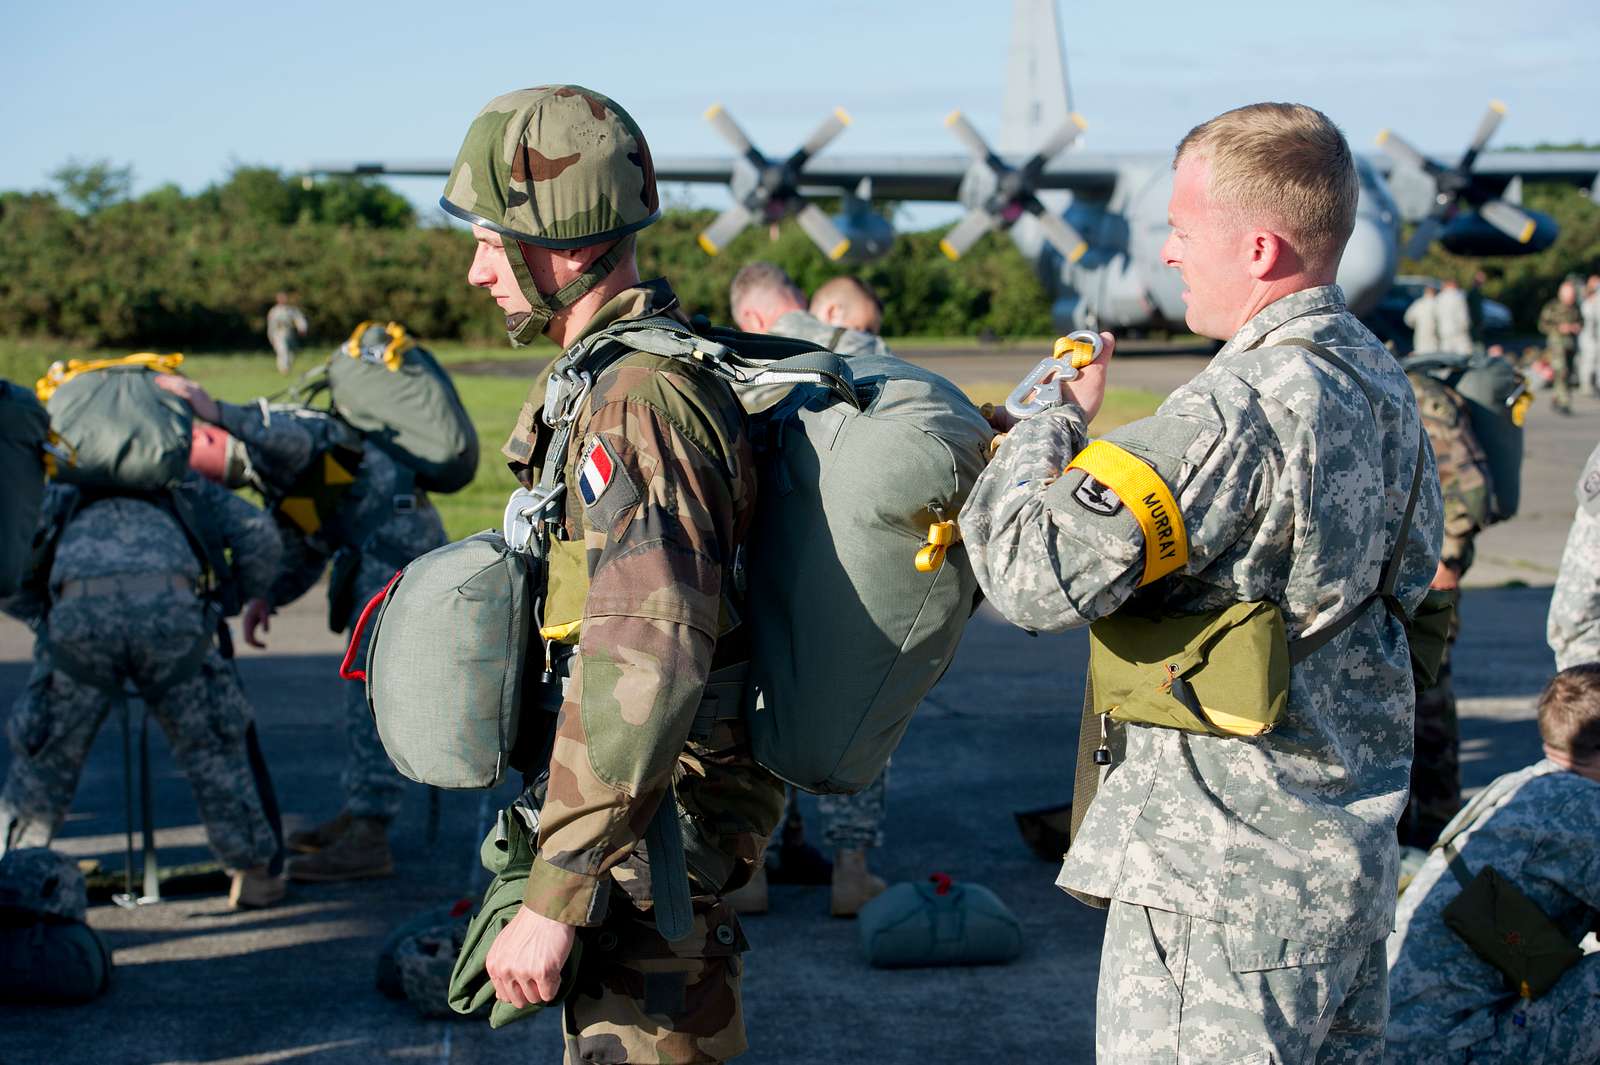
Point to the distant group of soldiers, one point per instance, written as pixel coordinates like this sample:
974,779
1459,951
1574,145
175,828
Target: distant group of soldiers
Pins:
1244,849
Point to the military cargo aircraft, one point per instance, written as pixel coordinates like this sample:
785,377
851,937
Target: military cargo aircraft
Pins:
1093,224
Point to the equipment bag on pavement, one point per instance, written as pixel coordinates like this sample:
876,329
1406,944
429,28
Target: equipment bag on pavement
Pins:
1497,399
390,388
941,922
24,431
48,955
118,429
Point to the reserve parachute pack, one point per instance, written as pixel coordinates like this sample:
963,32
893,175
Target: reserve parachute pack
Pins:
118,430
1497,399
394,392
24,434
857,588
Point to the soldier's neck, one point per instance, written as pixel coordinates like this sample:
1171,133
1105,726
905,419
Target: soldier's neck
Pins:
569,324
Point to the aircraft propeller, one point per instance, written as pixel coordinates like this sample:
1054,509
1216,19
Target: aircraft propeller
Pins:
1458,185
1014,192
774,193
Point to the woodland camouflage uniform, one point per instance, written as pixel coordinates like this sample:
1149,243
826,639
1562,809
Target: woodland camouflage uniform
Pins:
1464,486
660,536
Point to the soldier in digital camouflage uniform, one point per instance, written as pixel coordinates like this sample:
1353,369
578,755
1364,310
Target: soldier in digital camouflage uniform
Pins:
1573,628
660,491
764,299
1464,486
1560,321
382,522
120,602
1250,881
1540,829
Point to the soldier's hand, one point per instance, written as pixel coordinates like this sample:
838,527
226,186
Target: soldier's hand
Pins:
1445,579
191,393
256,614
1089,390
525,960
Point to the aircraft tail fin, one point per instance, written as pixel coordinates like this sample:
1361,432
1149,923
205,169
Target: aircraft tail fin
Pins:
1038,96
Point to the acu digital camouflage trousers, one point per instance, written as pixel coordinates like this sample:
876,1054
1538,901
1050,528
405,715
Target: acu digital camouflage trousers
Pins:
1176,989
1561,1027
640,998
139,639
372,785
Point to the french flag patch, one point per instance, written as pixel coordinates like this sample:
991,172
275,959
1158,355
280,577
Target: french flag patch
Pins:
596,472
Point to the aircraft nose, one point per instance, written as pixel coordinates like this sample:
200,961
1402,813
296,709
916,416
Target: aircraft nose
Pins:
1369,263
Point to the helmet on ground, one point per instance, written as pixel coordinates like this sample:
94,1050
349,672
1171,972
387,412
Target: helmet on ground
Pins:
39,880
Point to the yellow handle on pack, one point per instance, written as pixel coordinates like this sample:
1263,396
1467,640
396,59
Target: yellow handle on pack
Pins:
941,534
1147,497
62,372
393,353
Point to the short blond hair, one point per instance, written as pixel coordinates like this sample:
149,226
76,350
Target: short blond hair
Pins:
1287,163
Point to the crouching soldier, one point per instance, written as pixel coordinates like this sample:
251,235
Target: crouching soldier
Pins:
337,497
1529,844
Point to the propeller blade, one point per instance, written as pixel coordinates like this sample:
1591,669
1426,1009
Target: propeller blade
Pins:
1059,232
823,233
1509,219
729,130
820,137
968,135
1401,151
1486,128
966,232
1513,193
1058,143
727,225
1427,232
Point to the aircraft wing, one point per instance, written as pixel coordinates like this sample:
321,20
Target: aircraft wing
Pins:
894,177
1573,168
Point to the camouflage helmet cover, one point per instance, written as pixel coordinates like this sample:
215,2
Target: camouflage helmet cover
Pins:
40,880
557,166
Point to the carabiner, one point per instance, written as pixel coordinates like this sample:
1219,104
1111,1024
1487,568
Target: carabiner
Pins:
1041,389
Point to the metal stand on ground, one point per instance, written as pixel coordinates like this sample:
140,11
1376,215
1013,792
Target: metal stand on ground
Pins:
152,874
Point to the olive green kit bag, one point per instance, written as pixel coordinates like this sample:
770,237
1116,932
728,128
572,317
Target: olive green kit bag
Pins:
1501,924
390,388
117,428
24,432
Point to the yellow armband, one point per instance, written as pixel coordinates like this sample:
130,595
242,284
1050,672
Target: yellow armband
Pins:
1146,495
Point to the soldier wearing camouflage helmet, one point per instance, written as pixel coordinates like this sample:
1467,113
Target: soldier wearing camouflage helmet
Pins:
556,181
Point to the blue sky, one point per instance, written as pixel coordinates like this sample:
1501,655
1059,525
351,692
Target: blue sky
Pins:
183,91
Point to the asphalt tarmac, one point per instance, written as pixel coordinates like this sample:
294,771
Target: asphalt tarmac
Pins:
197,983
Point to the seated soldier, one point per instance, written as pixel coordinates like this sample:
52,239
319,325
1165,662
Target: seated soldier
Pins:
1540,829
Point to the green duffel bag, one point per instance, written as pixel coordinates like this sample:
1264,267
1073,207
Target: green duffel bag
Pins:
941,922
444,669
395,392
24,431
507,852
119,430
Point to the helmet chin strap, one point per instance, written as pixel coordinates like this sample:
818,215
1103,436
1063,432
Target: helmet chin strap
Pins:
523,327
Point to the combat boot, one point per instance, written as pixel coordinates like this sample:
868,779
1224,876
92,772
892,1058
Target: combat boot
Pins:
853,883
752,897
362,851
320,837
253,889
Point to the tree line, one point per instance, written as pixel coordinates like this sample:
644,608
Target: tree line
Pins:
91,264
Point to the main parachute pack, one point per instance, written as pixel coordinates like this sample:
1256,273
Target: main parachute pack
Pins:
1496,398
857,589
